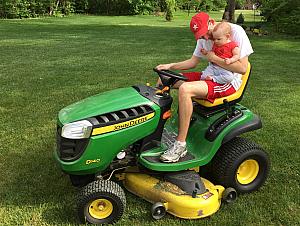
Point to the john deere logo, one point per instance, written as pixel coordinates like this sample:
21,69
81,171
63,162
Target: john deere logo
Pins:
130,123
122,125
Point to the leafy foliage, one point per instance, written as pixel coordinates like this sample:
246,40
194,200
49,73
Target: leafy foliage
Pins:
170,9
81,6
35,8
206,5
142,6
285,15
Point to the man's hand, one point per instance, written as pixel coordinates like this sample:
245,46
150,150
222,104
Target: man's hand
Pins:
164,67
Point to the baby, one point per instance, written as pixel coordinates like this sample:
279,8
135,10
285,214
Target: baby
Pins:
224,48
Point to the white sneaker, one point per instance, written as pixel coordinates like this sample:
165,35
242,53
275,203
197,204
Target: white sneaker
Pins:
173,154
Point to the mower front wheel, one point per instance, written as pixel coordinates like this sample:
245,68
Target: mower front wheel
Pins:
101,202
241,164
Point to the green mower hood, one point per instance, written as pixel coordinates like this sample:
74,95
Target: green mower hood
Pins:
109,101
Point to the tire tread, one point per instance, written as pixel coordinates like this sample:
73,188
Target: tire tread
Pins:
102,187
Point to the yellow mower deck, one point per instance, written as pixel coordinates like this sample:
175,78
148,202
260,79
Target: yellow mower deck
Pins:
175,201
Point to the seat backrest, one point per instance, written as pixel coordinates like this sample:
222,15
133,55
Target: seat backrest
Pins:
235,97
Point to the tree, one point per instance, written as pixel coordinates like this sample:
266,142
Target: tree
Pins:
228,14
283,14
230,7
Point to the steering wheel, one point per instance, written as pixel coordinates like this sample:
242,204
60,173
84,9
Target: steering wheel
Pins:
169,78
170,74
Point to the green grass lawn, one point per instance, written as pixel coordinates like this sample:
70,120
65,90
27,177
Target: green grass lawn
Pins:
49,63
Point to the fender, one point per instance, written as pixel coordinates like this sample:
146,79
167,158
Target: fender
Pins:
254,124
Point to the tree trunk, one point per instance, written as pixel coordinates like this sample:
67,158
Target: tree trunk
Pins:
228,14
107,8
56,7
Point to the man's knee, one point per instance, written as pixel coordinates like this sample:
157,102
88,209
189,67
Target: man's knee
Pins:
194,89
184,89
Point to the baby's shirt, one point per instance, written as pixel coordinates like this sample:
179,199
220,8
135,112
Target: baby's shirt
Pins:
225,51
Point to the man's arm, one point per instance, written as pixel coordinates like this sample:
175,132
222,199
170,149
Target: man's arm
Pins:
182,65
239,66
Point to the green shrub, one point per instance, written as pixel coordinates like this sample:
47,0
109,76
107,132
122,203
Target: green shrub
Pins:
142,6
81,6
240,19
170,9
33,8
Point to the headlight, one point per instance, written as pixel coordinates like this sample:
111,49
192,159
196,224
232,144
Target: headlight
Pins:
77,130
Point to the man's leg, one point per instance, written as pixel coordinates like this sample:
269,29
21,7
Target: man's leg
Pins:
187,91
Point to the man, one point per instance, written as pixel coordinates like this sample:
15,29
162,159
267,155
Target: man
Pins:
202,26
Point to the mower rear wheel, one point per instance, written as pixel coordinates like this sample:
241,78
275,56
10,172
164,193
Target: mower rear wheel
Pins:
101,202
241,164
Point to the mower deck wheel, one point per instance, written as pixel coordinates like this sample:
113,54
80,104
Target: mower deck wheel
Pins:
101,202
158,210
229,195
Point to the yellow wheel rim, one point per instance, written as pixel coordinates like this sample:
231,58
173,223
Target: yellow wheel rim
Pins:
100,208
247,171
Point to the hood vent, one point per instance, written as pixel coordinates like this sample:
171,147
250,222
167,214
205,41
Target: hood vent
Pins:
124,115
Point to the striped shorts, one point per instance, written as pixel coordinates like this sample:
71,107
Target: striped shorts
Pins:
215,90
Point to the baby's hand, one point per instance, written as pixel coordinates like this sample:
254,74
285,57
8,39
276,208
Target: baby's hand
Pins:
208,78
227,61
203,51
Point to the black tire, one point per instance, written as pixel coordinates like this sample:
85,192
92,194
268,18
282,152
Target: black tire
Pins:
229,195
101,202
206,172
227,168
158,210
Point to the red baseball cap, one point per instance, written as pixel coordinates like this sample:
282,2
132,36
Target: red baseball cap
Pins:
199,24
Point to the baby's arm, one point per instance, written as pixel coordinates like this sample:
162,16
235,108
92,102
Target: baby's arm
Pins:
236,56
209,78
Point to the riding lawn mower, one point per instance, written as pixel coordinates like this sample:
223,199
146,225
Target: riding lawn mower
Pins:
113,140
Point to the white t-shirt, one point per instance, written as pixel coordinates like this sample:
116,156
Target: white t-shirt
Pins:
238,35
